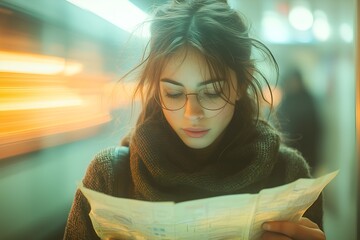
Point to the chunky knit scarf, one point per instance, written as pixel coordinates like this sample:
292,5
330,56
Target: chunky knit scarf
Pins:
163,168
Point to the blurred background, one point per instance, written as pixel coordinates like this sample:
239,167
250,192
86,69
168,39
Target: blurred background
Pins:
60,104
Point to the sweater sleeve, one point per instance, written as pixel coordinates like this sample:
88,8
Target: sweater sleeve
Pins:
99,177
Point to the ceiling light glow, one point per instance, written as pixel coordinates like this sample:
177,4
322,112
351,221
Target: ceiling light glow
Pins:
301,18
274,29
122,14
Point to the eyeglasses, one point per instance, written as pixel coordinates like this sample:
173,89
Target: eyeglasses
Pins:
207,99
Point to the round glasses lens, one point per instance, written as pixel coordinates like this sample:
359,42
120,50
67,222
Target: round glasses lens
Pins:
211,99
173,100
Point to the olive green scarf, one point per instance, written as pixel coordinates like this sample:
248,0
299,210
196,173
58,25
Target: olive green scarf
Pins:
163,168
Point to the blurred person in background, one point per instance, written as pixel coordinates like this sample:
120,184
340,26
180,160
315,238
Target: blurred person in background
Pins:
199,134
298,117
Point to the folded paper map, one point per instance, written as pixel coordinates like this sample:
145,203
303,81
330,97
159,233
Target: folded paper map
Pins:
238,216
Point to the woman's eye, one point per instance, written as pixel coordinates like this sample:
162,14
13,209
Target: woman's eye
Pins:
212,94
174,95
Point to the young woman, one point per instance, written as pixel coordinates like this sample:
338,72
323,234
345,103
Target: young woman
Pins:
199,134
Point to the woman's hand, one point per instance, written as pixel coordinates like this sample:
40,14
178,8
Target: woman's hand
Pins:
304,229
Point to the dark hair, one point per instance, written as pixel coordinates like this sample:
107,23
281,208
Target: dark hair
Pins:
219,33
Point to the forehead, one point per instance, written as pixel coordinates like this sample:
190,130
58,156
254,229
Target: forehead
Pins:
186,65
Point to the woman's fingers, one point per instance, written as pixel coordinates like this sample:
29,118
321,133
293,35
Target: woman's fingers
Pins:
302,230
307,222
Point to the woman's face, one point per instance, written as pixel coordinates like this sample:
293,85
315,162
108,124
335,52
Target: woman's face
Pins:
197,127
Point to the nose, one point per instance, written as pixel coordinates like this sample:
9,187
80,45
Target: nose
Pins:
193,110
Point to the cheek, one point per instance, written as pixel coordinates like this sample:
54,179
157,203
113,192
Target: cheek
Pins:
227,113
222,120
172,117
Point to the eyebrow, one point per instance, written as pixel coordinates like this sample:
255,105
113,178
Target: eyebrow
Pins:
167,80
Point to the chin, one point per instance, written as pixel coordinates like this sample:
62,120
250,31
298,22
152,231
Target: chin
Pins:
196,144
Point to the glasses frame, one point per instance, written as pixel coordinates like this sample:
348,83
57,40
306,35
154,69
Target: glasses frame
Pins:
160,102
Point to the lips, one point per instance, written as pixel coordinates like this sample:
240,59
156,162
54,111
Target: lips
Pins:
195,132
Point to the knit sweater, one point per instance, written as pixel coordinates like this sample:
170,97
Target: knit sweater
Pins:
110,173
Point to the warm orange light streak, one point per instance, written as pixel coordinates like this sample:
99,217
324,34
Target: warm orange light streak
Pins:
120,94
37,64
38,104
38,111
